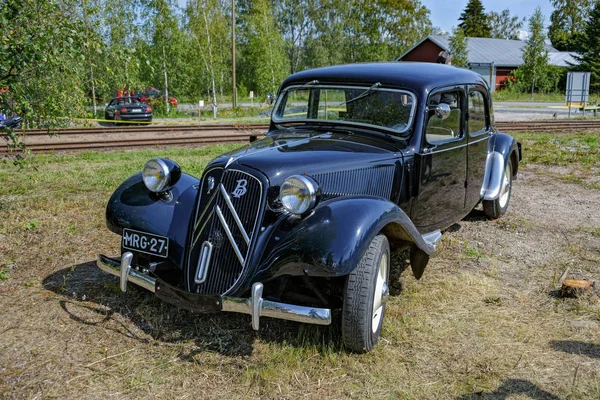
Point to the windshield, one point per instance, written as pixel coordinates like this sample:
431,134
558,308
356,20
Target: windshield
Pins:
366,106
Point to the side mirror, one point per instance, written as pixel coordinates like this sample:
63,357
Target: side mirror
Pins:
442,110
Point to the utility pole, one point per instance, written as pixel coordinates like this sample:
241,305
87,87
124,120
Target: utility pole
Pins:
234,96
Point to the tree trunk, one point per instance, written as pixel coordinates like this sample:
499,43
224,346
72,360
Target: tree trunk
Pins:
166,80
87,38
211,64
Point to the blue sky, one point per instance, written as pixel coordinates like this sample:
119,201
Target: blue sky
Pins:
445,13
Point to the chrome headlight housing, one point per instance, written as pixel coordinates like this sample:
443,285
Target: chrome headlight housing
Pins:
298,194
160,174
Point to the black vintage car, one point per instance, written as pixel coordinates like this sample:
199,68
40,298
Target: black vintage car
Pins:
128,108
359,161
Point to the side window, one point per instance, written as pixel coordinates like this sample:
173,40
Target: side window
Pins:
477,120
443,130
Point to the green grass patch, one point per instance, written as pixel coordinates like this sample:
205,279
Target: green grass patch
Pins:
560,149
509,95
61,176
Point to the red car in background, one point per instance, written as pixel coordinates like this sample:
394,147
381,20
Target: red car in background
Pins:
150,95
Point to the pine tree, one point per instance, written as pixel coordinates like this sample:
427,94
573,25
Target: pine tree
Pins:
474,20
458,48
589,57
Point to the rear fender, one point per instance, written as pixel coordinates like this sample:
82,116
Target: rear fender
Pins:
133,206
331,241
502,149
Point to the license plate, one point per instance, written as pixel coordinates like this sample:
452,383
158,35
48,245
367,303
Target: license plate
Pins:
146,243
136,110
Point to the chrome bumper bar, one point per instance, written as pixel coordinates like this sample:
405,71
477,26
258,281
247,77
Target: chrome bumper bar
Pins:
254,306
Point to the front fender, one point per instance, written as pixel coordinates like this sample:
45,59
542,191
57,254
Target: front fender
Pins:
331,241
133,206
504,148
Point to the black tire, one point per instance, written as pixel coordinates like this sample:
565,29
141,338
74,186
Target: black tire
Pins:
496,208
358,331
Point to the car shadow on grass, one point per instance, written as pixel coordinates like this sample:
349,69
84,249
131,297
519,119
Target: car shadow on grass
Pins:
92,297
511,387
575,347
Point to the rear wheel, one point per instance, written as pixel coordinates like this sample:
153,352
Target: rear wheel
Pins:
496,208
365,295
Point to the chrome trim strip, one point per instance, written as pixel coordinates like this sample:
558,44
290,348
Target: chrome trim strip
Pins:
234,213
443,150
203,262
237,251
201,229
204,211
255,306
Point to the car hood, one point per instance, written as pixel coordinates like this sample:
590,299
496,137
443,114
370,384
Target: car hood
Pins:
287,152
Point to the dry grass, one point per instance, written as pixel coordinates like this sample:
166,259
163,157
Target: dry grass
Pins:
484,322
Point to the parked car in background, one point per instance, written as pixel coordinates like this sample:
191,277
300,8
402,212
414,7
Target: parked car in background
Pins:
128,108
359,161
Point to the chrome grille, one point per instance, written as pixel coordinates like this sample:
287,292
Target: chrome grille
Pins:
226,221
373,181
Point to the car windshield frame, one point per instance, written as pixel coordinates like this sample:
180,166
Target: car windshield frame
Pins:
363,92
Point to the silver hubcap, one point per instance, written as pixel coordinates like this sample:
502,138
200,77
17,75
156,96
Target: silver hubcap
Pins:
505,192
381,292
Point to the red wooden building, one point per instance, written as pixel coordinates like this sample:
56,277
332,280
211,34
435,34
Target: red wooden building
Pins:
494,59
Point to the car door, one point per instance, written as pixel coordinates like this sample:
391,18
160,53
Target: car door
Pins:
441,163
479,132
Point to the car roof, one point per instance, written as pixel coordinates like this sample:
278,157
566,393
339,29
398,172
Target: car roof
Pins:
411,75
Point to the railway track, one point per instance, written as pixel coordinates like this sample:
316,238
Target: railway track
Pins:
130,137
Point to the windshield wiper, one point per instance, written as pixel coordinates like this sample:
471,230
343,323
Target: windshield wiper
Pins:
314,82
363,94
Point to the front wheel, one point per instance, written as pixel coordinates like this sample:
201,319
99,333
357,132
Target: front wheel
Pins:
496,208
365,295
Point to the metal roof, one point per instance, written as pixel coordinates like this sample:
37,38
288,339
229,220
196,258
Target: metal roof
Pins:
502,52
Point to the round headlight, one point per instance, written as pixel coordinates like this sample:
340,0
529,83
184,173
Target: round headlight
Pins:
160,174
298,194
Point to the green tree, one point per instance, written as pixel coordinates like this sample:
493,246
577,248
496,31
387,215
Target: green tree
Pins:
354,31
567,23
264,49
589,56
208,24
458,48
41,61
296,26
535,53
118,64
474,20
167,44
503,25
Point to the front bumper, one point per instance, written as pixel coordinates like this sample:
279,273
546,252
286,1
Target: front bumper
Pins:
255,305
